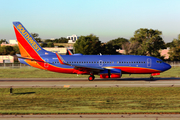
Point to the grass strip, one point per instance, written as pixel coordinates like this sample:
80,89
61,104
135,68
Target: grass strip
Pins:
29,72
90,100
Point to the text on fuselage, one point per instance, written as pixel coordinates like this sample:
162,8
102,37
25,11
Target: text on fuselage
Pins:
27,36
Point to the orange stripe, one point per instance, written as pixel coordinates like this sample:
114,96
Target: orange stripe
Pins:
23,52
34,64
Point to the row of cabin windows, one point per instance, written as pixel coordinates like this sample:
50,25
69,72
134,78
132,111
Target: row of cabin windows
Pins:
131,62
55,62
108,62
90,62
105,62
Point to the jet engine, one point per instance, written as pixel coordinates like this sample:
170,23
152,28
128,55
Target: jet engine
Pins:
110,73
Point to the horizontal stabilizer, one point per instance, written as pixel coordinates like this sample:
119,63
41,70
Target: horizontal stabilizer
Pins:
18,55
61,60
25,58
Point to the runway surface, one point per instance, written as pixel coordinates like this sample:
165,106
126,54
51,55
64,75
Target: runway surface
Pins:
83,82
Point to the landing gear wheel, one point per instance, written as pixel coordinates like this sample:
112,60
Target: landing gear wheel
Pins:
91,77
151,78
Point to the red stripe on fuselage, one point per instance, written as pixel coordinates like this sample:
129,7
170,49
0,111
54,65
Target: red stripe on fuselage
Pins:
137,70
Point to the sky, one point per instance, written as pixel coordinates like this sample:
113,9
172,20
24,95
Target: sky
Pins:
107,19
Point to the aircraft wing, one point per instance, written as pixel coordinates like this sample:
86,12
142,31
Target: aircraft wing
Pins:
62,61
86,66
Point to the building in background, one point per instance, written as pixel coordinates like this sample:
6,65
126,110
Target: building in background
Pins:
58,50
120,51
164,52
11,43
6,59
72,39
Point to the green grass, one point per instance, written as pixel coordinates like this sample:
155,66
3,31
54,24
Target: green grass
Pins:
90,100
29,72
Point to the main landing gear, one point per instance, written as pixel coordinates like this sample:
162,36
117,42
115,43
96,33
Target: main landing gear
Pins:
91,77
151,78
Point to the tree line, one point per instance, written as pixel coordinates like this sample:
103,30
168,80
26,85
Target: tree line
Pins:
48,42
144,42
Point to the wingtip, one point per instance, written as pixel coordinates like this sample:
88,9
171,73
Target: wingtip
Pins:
69,52
61,60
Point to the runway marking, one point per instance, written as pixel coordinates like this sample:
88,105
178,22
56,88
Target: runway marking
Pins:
66,86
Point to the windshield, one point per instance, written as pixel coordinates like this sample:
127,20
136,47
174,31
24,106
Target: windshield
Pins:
159,61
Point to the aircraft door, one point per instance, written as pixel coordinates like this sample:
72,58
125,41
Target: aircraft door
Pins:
100,63
46,65
148,62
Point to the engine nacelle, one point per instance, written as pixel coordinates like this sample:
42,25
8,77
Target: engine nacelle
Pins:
110,73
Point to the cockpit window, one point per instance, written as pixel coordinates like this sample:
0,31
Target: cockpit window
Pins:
158,61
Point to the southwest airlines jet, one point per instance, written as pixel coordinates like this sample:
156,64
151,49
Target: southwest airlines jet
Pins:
107,66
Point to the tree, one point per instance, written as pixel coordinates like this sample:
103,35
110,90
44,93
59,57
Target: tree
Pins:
48,40
117,43
148,42
130,47
88,45
169,44
108,49
61,40
35,36
16,49
43,44
58,40
50,44
3,40
174,53
6,50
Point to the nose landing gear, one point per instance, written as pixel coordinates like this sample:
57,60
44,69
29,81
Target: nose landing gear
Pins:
153,74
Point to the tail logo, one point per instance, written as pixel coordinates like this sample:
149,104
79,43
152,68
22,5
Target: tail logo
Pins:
27,37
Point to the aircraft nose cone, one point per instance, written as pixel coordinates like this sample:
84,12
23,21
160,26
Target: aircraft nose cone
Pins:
167,66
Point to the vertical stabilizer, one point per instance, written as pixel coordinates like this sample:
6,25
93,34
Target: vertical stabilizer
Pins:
27,44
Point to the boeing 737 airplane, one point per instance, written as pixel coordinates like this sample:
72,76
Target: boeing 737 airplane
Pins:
107,66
